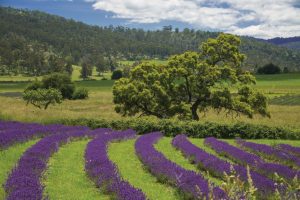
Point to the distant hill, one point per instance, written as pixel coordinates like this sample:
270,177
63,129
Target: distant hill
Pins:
291,42
69,37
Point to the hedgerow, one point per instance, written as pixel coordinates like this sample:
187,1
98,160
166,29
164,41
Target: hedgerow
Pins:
193,129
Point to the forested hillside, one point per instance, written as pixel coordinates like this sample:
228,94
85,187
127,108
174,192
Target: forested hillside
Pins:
291,42
24,33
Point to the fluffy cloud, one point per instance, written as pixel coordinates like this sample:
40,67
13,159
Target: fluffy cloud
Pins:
259,18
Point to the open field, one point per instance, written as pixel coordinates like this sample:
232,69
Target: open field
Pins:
65,176
283,91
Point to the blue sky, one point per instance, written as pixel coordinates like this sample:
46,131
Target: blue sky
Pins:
257,18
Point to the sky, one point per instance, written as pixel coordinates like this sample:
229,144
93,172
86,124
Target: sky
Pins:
256,18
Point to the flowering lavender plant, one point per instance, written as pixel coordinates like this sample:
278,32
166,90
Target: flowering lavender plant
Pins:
190,183
219,167
103,172
270,152
16,132
24,181
245,158
289,148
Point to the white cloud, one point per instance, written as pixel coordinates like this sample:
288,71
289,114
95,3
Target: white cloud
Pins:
259,18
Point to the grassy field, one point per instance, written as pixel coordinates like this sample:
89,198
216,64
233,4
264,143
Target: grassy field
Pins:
283,91
65,177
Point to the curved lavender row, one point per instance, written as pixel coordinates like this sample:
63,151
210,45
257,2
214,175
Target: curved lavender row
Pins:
218,167
24,181
20,132
187,181
269,151
103,172
246,158
289,148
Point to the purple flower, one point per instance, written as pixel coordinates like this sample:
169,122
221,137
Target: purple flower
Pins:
270,151
24,180
103,172
289,148
16,132
218,167
189,182
245,158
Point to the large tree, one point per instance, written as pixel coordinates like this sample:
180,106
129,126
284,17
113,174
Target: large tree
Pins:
192,82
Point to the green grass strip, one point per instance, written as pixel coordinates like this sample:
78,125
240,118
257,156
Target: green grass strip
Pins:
8,159
164,146
133,171
66,179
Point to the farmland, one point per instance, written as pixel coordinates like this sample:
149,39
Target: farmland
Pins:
283,91
61,178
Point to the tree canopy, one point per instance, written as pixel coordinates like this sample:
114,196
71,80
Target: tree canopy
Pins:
190,83
42,98
269,69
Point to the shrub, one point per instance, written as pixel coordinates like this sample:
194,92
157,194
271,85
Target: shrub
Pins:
191,128
269,69
117,74
81,93
60,81
34,85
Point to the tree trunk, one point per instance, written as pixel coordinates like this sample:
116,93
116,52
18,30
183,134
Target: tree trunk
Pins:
194,109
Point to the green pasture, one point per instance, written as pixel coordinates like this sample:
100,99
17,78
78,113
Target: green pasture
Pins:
65,177
283,92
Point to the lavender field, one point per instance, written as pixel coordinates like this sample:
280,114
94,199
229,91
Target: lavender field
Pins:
74,162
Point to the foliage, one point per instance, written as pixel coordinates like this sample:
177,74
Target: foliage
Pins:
236,188
116,75
102,65
61,82
34,85
292,191
79,39
81,93
190,83
269,69
42,98
86,67
193,129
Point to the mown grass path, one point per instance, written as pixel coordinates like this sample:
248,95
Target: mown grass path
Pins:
66,179
8,159
164,146
133,171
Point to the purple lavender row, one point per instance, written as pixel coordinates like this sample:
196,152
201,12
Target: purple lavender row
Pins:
269,151
20,132
104,173
289,148
218,167
245,158
188,182
24,181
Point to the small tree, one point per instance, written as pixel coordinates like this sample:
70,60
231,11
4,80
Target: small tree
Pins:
117,74
286,70
86,67
269,69
42,98
68,65
102,65
191,83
